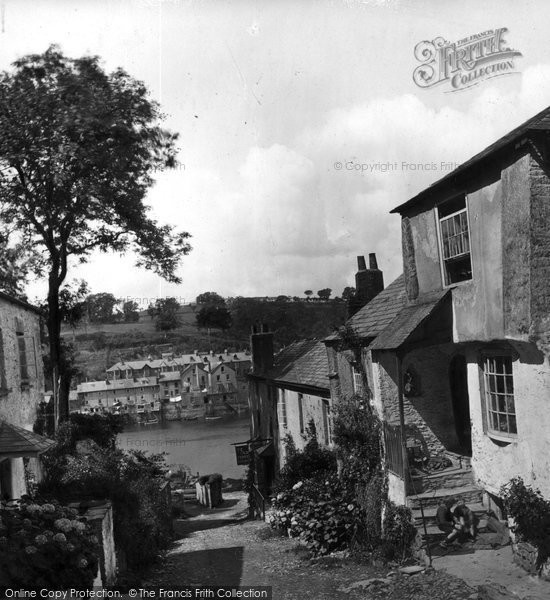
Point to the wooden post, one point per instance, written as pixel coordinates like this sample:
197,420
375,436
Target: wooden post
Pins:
55,394
399,365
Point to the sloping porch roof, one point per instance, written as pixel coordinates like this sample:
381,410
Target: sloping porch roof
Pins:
16,442
429,319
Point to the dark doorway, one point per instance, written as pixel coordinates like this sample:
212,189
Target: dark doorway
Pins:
458,380
6,490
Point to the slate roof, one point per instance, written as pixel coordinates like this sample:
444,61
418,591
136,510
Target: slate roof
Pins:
375,316
403,325
16,441
304,363
540,121
115,384
183,360
170,376
21,303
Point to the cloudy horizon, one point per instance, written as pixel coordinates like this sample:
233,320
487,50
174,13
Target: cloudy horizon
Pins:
276,105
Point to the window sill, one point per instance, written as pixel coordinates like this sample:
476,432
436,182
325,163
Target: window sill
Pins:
448,286
501,438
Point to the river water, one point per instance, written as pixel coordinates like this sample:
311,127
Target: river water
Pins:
203,446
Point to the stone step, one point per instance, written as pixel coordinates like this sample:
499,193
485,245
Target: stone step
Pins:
471,494
459,460
448,478
430,511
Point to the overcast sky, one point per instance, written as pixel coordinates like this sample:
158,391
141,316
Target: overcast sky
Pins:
267,98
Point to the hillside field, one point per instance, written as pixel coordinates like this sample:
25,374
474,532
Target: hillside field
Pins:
100,345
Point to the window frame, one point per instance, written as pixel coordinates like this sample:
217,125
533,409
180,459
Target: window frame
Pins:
283,409
301,412
495,434
327,420
442,260
357,380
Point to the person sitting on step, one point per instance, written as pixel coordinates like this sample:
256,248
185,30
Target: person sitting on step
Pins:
447,523
466,519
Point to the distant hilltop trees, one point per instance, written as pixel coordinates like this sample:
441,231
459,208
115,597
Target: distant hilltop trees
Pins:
323,295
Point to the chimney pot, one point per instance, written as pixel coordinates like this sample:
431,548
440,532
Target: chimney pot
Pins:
372,261
361,264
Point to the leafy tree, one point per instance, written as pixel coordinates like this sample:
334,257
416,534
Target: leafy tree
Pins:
282,298
101,307
72,302
166,310
210,298
130,310
16,263
78,151
324,294
217,317
308,293
151,311
348,293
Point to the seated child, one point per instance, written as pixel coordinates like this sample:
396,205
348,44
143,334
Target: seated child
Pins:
447,523
465,518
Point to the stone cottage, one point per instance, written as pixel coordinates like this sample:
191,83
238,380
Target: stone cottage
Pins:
455,352
287,393
21,390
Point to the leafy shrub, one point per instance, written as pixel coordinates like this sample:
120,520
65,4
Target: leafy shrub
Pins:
312,461
371,497
399,531
101,429
357,437
131,480
45,545
531,513
319,512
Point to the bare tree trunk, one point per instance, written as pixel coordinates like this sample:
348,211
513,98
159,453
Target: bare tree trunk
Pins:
60,390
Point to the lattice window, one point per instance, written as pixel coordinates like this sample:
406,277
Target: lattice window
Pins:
499,395
301,412
357,381
283,420
327,422
454,234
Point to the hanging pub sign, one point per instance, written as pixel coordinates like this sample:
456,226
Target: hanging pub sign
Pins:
243,449
242,454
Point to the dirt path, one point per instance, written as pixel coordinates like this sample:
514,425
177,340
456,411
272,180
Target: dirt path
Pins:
218,547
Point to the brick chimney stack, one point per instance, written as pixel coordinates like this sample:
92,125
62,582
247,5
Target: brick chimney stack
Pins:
261,342
368,283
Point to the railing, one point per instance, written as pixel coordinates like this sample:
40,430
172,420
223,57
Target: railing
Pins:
393,444
258,503
166,501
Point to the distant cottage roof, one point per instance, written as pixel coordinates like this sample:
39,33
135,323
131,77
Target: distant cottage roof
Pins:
302,363
182,360
115,384
498,149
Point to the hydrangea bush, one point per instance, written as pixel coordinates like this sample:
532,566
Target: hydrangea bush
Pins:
45,545
319,512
